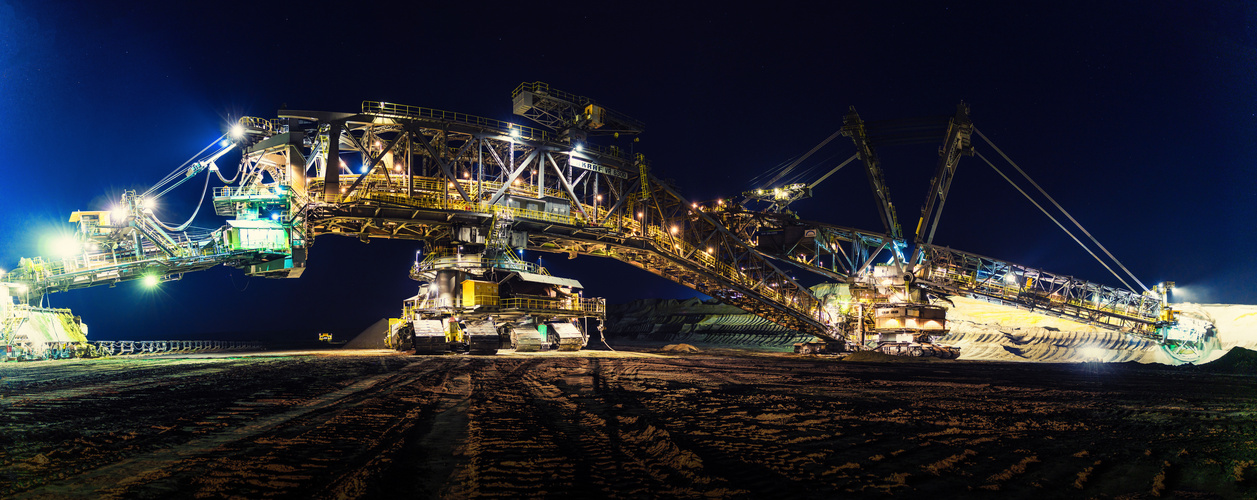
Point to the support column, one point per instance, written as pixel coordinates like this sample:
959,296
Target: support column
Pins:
331,174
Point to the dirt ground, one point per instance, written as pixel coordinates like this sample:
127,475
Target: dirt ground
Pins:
644,424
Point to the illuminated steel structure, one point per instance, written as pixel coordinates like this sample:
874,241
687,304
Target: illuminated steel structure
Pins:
442,177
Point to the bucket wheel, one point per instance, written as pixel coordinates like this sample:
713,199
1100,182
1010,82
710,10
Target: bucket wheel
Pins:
1196,351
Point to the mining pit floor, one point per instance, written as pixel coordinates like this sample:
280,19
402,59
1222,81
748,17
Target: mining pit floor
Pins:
642,422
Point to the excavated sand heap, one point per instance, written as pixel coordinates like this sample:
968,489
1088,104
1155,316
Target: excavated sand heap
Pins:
696,322
983,331
986,331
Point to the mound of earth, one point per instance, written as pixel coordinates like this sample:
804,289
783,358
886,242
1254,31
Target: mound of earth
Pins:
1238,361
696,321
371,338
679,348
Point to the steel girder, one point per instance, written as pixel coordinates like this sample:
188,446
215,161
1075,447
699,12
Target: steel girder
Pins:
428,171
963,273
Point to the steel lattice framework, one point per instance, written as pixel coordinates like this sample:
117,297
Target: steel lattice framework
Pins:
440,176
433,175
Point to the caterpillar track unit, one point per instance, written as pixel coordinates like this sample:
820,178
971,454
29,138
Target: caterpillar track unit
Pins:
477,299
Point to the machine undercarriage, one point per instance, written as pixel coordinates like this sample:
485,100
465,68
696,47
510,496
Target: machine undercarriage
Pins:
476,295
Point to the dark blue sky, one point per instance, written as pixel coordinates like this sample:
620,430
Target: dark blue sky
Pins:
1139,117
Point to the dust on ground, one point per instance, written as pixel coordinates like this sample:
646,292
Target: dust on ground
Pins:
623,424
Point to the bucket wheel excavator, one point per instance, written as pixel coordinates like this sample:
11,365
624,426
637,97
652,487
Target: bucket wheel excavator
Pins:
476,190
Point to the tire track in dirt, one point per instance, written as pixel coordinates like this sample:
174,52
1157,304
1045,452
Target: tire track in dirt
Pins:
112,481
151,416
677,426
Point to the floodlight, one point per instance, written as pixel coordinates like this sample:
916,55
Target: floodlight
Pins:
237,131
515,133
66,246
151,280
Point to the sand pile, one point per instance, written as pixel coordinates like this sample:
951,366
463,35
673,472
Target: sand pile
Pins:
983,331
371,338
697,321
679,348
989,331
994,332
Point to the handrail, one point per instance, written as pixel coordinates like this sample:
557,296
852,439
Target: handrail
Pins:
394,110
264,124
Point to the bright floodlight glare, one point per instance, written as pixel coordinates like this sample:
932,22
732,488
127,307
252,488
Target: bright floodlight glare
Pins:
275,216
237,131
1010,278
66,246
150,280
363,169
515,132
224,143
1091,353
579,148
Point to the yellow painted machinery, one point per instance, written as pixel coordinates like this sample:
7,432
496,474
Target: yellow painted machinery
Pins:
480,298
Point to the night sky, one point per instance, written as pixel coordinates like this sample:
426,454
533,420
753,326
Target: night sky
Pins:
1139,117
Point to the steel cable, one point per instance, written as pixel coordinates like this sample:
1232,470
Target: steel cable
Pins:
791,166
181,227
175,173
233,177
1062,209
1058,223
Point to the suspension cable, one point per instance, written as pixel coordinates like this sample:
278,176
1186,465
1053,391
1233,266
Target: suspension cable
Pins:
233,177
204,189
175,173
801,158
1058,223
1062,209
